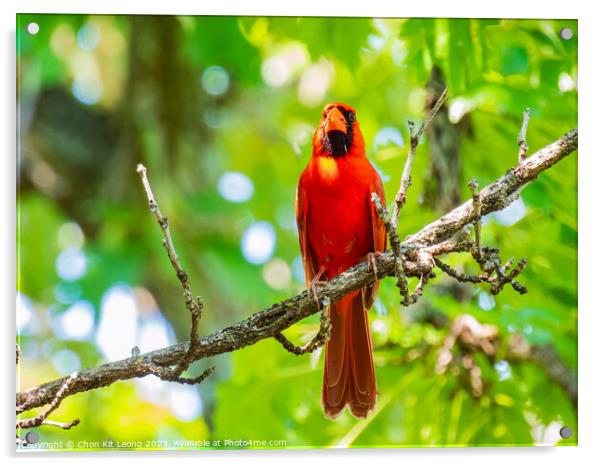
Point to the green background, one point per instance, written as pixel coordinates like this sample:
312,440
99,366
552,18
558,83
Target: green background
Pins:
197,98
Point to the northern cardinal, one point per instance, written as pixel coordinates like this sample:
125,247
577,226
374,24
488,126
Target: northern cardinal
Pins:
339,227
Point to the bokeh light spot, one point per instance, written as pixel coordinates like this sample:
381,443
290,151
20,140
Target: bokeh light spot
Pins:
565,82
379,326
387,136
277,274
71,264
66,362
26,315
503,370
458,109
486,301
298,270
280,68
88,37
215,80
258,242
67,292
511,214
315,82
285,217
70,234
117,330
155,333
235,187
380,307
76,323
185,402
87,89
62,41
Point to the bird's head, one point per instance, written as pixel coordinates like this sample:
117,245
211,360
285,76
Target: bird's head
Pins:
339,132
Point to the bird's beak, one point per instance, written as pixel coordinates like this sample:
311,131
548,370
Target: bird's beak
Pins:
335,121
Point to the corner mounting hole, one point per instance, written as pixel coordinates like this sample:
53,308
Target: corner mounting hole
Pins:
566,33
33,28
566,432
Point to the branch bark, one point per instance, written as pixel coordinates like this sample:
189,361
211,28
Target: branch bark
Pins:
273,320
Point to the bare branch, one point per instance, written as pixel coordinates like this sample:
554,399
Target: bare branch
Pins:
523,148
170,375
402,281
167,241
461,277
400,197
269,322
320,339
194,306
41,418
476,204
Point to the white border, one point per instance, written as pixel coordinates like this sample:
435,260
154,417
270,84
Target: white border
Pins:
590,186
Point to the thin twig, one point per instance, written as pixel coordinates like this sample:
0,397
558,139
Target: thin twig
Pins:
402,281
61,425
523,147
167,241
460,276
63,392
320,339
169,375
476,204
194,306
417,293
400,197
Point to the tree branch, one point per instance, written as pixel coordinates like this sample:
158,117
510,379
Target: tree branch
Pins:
523,147
275,319
194,305
400,197
392,221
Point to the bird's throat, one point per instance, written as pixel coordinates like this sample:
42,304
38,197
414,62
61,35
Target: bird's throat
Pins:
337,143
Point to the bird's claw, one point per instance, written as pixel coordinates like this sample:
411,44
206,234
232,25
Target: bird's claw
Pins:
314,291
371,259
314,284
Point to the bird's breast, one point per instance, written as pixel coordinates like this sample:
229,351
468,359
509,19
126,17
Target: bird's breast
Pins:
339,222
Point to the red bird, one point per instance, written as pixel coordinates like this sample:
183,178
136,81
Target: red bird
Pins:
339,227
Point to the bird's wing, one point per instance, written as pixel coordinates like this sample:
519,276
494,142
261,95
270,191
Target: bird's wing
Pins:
301,208
379,235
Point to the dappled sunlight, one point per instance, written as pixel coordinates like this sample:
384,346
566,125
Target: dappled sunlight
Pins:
117,329
76,322
277,274
258,242
235,187
215,80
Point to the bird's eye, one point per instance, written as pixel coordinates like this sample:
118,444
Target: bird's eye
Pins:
351,117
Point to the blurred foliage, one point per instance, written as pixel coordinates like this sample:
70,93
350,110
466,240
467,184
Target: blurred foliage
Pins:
199,99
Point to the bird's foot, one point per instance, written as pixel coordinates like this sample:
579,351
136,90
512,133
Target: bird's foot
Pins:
371,259
314,286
